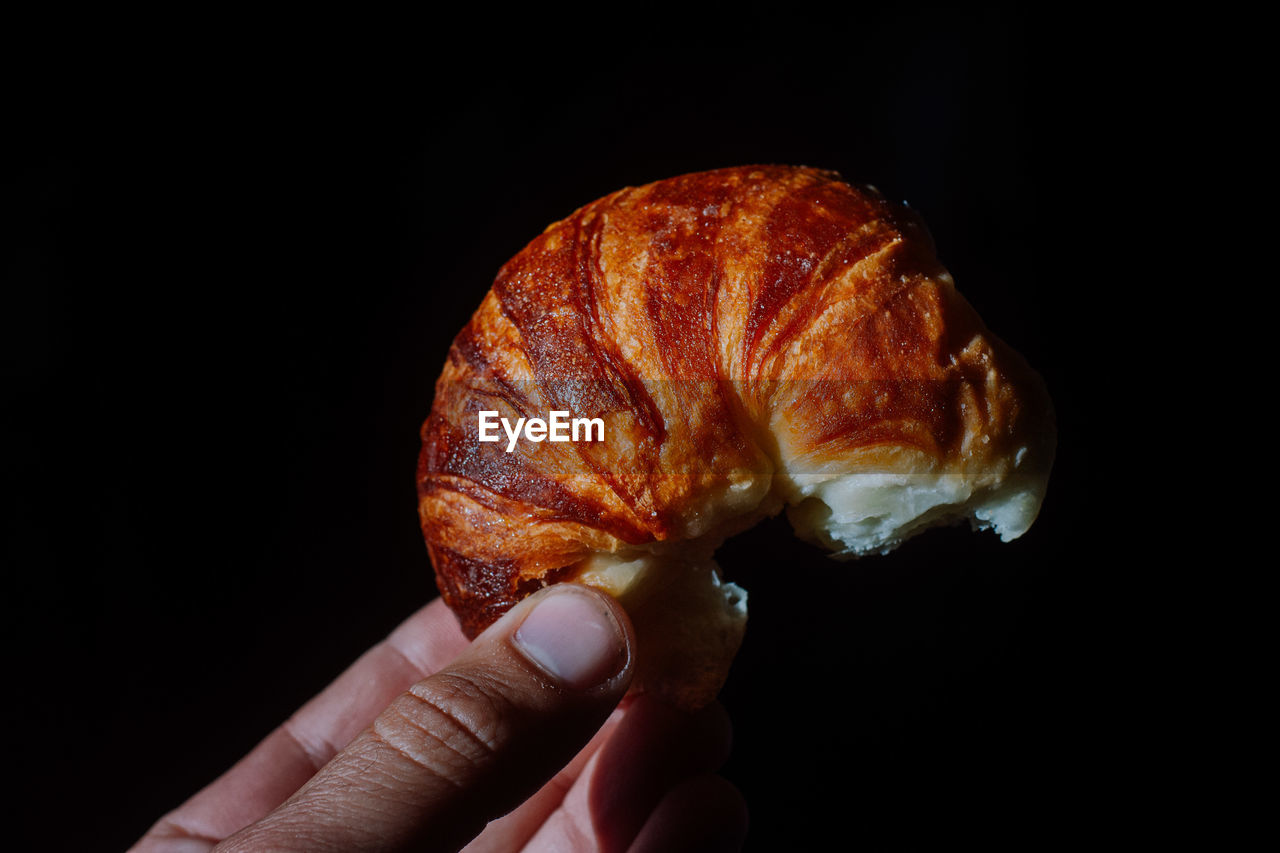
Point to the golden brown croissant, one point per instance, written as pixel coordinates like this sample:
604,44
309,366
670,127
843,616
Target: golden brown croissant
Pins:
731,342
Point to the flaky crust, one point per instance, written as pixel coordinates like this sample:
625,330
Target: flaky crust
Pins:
736,330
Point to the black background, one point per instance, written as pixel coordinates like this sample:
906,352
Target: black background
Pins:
239,251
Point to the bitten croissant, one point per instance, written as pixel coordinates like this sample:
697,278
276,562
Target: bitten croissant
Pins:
731,342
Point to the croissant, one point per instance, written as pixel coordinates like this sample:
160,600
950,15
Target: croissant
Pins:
731,343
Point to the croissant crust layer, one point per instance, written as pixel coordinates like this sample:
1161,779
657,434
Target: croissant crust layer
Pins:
748,337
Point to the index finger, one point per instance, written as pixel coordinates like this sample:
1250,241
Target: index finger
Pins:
289,756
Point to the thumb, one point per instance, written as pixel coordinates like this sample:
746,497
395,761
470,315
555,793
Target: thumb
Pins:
471,742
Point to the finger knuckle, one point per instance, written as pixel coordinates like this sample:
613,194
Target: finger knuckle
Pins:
449,725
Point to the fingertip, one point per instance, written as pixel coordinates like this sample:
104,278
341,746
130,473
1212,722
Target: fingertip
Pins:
430,638
656,747
705,814
578,636
703,738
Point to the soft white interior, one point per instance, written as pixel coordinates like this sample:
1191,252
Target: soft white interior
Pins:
635,578
864,513
852,514
688,621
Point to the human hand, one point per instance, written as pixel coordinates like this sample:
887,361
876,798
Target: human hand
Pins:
514,742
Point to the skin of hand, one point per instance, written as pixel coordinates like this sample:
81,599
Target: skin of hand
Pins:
519,741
